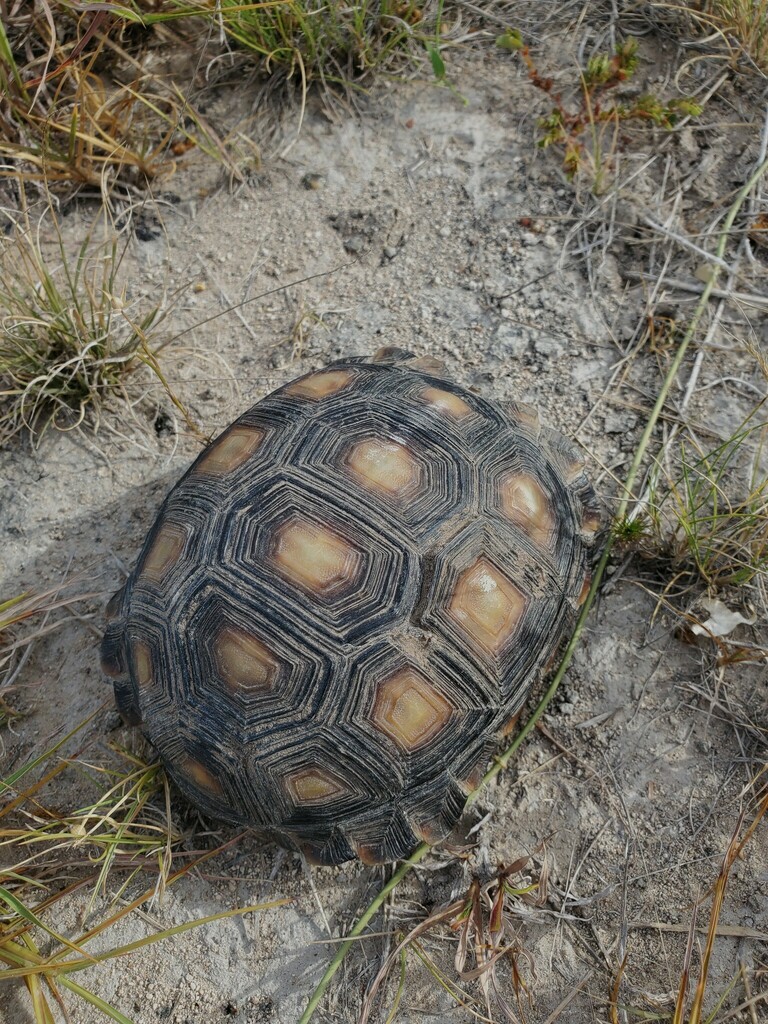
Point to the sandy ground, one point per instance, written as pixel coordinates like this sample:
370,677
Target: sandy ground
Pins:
437,225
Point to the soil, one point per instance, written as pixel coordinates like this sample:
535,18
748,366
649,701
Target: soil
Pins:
430,220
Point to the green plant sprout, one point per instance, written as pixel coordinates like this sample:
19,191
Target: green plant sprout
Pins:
587,131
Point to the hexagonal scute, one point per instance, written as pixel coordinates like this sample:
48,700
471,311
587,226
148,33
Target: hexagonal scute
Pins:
525,503
181,540
409,709
572,466
315,557
446,403
319,561
314,786
165,552
453,413
243,666
234,465
487,605
525,489
384,466
500,608
243,662
397,477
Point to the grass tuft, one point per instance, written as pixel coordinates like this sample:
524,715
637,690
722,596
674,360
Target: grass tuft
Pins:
64,119
742,27
711,516
318,40
68,335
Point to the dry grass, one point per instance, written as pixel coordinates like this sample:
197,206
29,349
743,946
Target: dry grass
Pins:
67,114
69,336
25,619
102,849
487,947
694,1013
79,105
737,27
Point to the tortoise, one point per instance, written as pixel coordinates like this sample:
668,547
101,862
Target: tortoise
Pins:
343,603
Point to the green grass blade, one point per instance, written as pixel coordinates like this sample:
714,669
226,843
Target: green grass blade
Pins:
6,56
14,777
90,997
58,968
26,914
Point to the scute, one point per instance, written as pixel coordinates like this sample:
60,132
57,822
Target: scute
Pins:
342,605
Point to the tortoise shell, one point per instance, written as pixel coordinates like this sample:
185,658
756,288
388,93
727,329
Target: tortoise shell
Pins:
342,604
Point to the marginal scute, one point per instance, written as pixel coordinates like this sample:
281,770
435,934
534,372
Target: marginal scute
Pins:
200,776
164,553
428,831
487,605
230,452
243,661
427,364
115,605
313,786
385,466
573,466
510,724
522,413
409,709
113,653
524,503
470,783
315,557
590,524
447,403
142,660
367,853
320,385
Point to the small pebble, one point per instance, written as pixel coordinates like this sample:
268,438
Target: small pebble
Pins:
313,182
